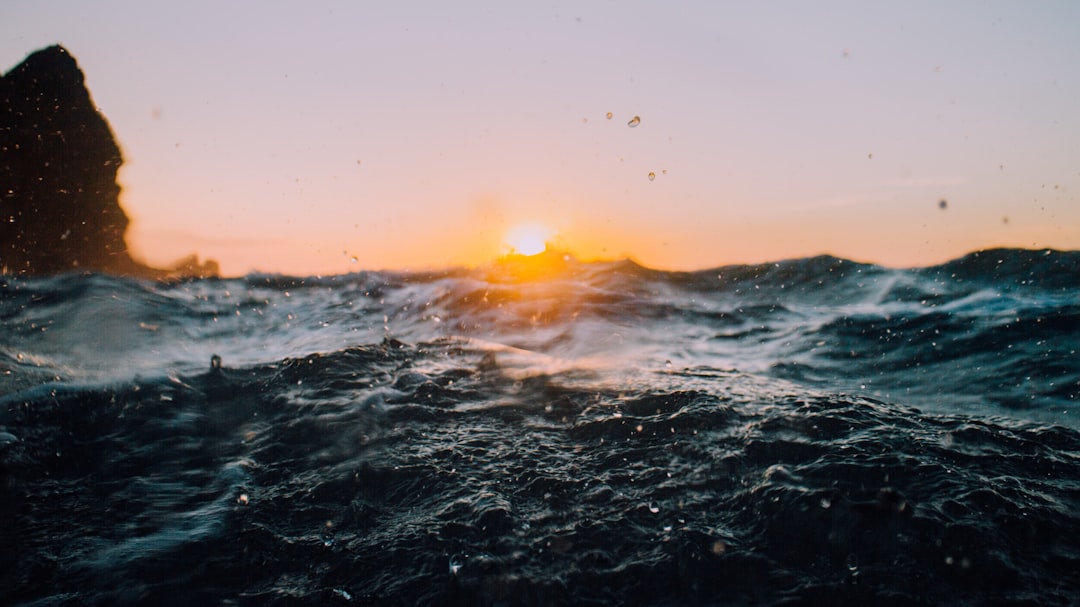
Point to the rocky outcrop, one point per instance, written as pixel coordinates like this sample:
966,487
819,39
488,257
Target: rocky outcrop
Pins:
59,200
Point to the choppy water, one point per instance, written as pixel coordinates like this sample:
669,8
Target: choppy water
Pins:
547,432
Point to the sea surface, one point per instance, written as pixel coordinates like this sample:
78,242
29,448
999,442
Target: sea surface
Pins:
543,431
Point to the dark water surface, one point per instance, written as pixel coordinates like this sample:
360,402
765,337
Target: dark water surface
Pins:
546,432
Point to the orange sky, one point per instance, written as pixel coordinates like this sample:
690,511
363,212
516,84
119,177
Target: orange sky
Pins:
338,138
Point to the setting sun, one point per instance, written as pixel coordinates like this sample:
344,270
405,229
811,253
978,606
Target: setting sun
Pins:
528,239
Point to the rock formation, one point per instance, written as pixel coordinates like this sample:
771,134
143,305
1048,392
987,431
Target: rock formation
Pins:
59,200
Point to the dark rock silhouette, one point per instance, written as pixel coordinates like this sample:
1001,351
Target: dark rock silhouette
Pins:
59,200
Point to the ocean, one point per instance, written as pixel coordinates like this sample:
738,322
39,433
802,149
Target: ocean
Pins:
544,431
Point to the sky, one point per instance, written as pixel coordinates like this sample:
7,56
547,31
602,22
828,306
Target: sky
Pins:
329,137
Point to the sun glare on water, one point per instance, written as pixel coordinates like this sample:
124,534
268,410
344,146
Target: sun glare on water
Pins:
530,255
527,239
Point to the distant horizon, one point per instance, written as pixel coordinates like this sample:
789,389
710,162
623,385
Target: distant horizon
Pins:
413,138
525,259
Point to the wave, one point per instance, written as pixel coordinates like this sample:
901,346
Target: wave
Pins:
439,473
1006,319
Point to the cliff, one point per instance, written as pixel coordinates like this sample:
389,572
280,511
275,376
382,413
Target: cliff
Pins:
59,199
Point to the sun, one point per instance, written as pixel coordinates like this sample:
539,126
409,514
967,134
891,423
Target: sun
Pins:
527,239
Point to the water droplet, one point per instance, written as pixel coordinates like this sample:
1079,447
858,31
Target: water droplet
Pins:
610,115
826,503
640,428
943,204
354,259
636,120
242,499
719,547
7,438
653,507
456,563
652,175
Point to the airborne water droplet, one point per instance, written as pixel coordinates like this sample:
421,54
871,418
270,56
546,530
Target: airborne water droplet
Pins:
652,175
610,115
852,562
654,508
636,120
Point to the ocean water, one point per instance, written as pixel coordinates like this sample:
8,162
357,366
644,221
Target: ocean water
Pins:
547,432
